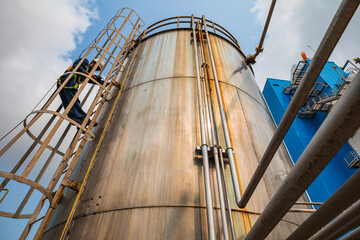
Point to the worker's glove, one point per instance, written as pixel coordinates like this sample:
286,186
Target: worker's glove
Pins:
100,79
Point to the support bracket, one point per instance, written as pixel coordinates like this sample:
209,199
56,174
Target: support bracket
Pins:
198,152
71,184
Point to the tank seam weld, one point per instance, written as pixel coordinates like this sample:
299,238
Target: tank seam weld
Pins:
159,79
161,206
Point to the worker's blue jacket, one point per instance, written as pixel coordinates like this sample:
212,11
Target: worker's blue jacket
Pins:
76,79
73,83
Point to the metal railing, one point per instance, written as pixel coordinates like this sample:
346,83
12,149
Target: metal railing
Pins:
298,72
350,69
184,22
352,159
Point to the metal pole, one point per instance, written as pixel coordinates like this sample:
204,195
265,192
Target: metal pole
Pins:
267,23
204,148
229,149
338,127
250,59
327,45
215,143
343,198
345,219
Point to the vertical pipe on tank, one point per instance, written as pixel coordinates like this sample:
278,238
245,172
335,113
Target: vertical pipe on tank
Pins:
217,142
213,139
204,148
226,191
229,149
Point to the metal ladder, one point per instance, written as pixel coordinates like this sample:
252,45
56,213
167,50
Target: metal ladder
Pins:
44,166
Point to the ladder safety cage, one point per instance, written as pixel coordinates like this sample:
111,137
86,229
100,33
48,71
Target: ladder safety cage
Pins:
52,154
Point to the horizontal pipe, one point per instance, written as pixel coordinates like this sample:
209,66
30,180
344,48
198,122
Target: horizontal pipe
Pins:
354,223
328,99
302,210
341,124
308,203
342,221
327,45
343,198
354,235
345,227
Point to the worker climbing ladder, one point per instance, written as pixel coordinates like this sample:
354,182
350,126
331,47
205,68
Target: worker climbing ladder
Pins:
112,46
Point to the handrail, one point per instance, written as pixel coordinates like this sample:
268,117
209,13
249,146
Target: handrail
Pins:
351,156
176,21
347,62
297,68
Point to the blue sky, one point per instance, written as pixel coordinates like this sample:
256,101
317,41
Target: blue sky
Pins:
40,38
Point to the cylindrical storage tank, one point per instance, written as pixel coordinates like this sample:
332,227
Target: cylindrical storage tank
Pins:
147,182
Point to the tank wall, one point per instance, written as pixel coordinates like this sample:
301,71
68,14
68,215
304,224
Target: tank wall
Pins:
147,182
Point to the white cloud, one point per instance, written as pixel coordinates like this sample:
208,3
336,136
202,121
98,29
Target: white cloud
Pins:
294,26
36,39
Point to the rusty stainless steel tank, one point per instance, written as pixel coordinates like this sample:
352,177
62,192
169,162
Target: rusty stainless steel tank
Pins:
147,182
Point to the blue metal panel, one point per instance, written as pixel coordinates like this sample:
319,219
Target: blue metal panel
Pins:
329,75
302,131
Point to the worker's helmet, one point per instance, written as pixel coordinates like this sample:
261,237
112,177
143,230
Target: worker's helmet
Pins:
101,65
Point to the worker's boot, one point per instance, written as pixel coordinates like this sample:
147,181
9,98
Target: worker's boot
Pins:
87,124
89,121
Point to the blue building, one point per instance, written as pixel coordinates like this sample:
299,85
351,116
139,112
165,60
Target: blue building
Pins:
329,86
